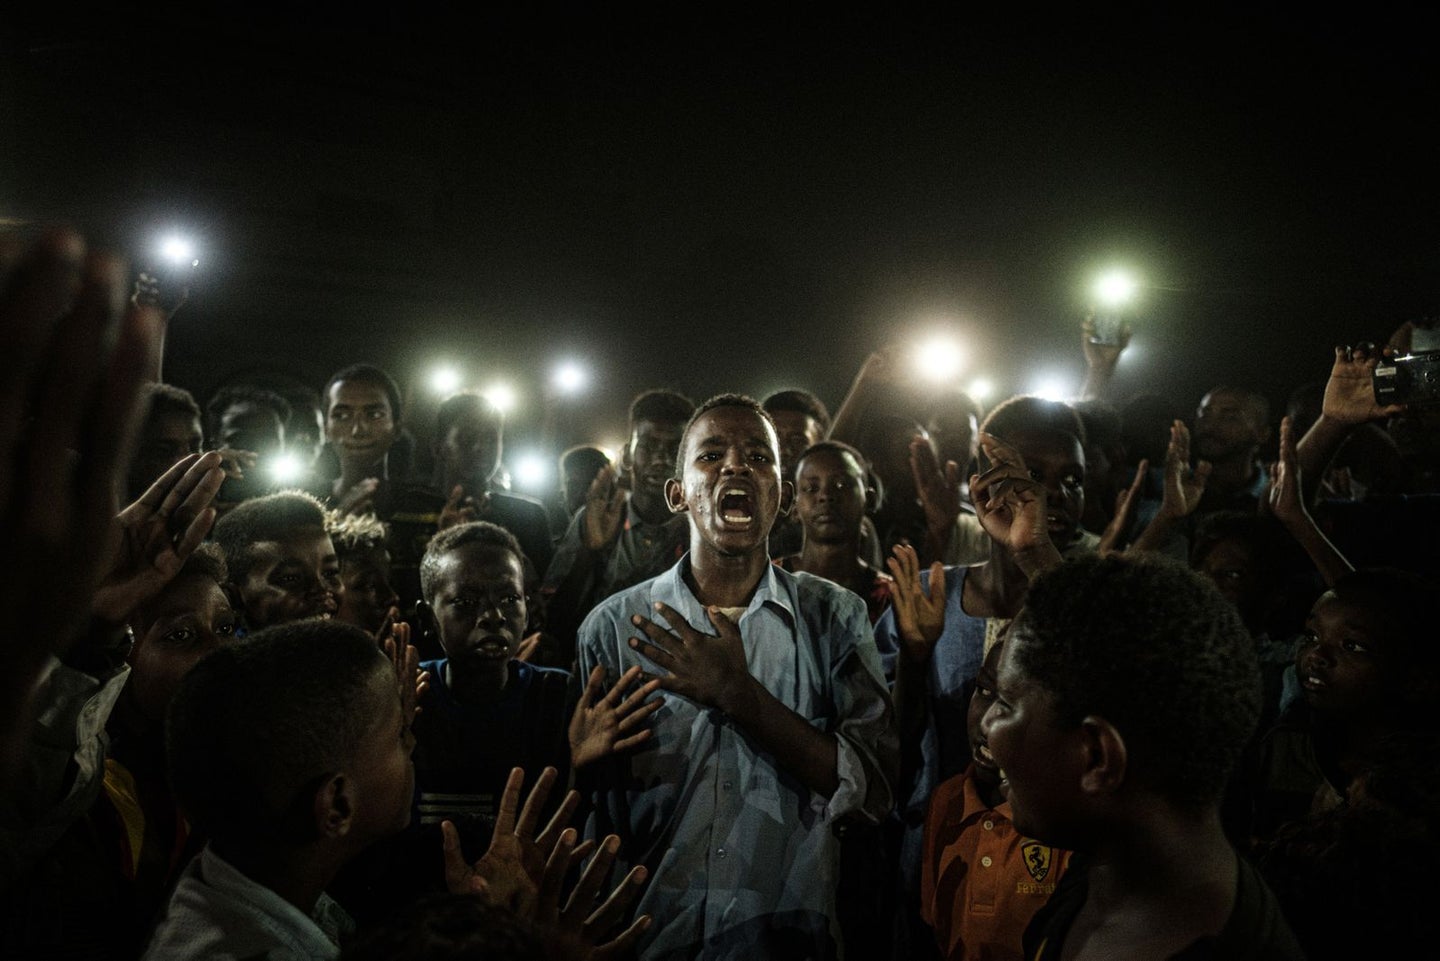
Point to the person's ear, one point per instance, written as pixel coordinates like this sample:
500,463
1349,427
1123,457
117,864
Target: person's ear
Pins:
626,460
872,499
787,498
333,806
1105,756
675,496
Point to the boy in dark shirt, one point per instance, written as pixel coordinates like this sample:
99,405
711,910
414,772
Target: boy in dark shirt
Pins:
1126,692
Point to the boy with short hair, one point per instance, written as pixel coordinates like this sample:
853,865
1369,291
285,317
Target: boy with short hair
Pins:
291,750
1126,693
981,880
282,563
359,541
485,712
625,533
775,729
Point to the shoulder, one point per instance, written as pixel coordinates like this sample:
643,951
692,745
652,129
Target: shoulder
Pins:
518,505
618,607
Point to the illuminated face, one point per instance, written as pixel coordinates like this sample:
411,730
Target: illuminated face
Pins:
189,619
479,605
1057,461
305,434
1342,660
368,595
830,497
1039,757
730,482
291,579
797,432
360,425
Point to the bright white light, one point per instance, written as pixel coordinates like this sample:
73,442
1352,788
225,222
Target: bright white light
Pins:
1052,387
531,471
570,377
445,380
939,359
980,389
286,469
613,449
1115,288
502,396
178,250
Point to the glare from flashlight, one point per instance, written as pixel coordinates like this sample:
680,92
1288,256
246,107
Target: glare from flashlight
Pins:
178,250
445,380
531,471
938,359
1115,288
569,378
502,396
1052,387
287,469
980,389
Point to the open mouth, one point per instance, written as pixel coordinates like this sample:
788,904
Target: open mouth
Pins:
983,757
737,507
492,648
1057,522
1313,682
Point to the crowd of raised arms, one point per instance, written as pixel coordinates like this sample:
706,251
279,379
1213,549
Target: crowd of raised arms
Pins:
1132,678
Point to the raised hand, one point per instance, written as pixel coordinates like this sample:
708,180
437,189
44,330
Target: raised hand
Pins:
705,668
462,508
604,509
1125,502
157,533
1011,506
580,923
1350,392
1103,355
919,616
1282,497
1184,486
394,638
529,647
607,725
510,873
939,490
68,414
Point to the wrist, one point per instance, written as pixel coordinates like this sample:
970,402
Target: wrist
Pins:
738,699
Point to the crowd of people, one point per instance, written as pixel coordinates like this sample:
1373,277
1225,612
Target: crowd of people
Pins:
1107,678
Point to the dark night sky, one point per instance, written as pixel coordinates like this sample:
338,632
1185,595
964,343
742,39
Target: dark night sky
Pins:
710,199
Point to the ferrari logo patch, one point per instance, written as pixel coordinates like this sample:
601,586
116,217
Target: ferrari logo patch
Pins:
1037,859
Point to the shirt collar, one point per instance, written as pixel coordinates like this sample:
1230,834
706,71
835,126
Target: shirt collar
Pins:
777,590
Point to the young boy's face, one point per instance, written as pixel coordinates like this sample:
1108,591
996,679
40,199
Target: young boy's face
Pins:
469,453
797,432
986,768
652,457
1038,756
1232,566
189,619
479,605
291,579
1341,660
382,770
360,424
830,497
1057,461
730,482
368,595
164,441
252,427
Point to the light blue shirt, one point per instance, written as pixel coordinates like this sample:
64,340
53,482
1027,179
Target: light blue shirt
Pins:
743,857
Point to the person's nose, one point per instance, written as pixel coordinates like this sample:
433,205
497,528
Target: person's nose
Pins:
735,462
491,617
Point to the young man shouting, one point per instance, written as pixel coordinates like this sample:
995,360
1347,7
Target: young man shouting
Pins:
776,722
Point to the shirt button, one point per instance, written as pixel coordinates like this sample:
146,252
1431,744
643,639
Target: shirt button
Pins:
720,853
986,861
989,825
728,785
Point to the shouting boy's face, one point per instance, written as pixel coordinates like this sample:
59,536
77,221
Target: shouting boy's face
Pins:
730,481
479,605
291,579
